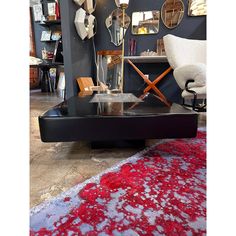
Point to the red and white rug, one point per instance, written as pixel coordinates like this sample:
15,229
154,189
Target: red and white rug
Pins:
159,191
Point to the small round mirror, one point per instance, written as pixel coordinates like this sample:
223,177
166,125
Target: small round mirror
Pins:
172,12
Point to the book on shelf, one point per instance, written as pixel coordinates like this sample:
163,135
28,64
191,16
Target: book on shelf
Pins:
46,35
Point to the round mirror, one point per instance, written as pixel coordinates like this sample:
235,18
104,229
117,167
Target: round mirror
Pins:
114,24
172,12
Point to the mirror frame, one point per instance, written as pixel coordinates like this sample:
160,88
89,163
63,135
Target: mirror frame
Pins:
199,14
125,28
162,9
83,31
87,6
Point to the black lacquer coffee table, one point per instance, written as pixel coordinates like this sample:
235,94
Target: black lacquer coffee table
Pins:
77,119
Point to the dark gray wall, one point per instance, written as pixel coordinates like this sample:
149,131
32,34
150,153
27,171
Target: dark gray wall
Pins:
78,54
190,27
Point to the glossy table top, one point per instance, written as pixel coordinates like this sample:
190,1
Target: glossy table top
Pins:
83,107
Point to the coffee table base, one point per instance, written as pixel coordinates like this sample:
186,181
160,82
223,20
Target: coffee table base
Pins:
76,119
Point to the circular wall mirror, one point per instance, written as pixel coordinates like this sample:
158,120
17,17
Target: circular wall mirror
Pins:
172,12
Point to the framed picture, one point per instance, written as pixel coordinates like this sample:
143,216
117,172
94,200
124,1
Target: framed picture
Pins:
38,12
56,35
51,8
46,35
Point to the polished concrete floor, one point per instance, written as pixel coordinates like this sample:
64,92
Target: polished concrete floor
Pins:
55,167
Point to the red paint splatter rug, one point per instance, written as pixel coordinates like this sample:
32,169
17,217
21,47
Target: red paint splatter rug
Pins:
160,191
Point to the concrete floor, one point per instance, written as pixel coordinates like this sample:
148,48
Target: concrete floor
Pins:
56,167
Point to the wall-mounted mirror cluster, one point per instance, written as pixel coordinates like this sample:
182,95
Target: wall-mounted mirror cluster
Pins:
85,22
89,5
114,24
197,8
172,12
145,22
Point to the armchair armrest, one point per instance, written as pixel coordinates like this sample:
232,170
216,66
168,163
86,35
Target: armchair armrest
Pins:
195,72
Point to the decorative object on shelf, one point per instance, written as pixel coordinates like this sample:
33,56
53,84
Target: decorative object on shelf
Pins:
46,35
197,7
38,12
160,47
85,24
47,55
53,11
172,12
51,18
50,55
51,8
44,54
148,53
145,22
56,35
57,10
132,47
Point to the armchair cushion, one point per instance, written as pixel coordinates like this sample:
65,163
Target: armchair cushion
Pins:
201,93
196,72
182,51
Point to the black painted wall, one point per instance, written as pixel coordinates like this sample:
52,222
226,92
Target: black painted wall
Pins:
190,27
78,54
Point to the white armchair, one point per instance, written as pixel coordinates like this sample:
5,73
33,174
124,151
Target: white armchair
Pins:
187,57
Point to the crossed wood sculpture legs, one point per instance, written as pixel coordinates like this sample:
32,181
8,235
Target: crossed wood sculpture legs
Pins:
152,85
